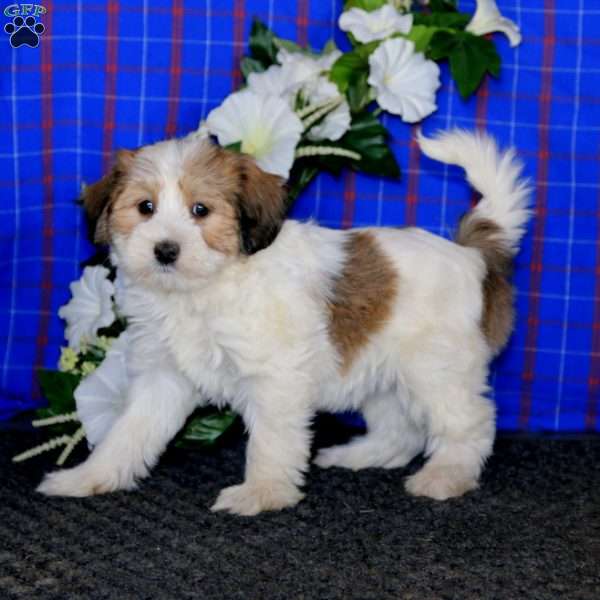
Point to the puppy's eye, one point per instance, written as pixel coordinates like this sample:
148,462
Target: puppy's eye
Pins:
146,207
199,210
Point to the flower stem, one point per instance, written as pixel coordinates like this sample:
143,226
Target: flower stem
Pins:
56,420
319,114
63,440
75,439
311,108
326,151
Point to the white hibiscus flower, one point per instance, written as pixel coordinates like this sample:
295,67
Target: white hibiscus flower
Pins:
266,127
487,19
376,24
405,82
90,308
100,397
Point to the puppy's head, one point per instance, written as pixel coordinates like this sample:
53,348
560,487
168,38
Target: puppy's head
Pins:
176,212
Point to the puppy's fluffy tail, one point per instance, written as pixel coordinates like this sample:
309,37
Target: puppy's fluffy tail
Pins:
499,219
495,225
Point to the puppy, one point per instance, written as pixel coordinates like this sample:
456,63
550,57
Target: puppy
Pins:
229,303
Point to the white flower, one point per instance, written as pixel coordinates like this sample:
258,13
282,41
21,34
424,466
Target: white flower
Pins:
295,71
100,397
375,25
90,308
337,122
306,66
405,81
487,18
303,73
266,126
275,81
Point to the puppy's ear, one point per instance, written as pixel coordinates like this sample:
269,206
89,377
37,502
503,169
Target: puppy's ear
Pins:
262,205
97,198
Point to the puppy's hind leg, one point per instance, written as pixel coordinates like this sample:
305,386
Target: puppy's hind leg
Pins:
159,403
461,434
392,439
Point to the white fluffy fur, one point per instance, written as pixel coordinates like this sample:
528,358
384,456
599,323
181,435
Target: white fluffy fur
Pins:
252,332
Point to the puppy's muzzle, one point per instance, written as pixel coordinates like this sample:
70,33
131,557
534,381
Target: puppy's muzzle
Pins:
166,252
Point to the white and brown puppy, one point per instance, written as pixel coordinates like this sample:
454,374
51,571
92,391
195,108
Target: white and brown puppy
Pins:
279,319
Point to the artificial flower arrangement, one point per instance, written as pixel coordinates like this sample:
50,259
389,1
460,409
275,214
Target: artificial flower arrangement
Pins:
298,113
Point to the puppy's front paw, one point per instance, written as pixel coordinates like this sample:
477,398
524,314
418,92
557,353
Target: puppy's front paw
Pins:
249,499
83,481
440,482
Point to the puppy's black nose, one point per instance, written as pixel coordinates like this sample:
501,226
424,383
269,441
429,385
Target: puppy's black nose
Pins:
166,252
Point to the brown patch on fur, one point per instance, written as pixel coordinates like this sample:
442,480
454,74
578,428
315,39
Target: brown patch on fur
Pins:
247,205
497,318
99,197
363,296
211,178
261,205
124,215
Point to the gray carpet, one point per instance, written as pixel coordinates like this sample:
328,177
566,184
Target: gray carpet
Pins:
531,531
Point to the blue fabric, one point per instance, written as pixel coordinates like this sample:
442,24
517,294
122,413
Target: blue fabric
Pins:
120,74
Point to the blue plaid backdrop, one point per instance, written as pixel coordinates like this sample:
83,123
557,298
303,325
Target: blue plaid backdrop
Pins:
111,74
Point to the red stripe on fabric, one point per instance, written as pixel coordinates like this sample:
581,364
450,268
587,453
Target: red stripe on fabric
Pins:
410,211
349,199
537,265
593,400
45,313
303,11
110,82
239,15
175,67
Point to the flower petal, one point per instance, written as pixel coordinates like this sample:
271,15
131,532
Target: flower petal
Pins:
337,122
374,25
487,19
405,81
266,126
101,396
90,308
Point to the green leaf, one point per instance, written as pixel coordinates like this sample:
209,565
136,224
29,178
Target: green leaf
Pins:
442,6
470,57
352,65
262,44
58,388
442,44
443,20
234,147
367,5
367,137
292,46
421,36
359,92
205,428
250,65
